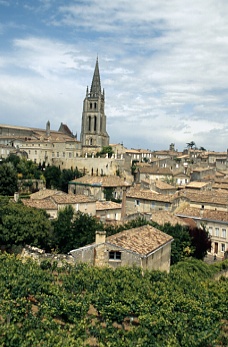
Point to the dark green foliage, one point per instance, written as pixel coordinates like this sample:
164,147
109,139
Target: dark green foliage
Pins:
25,168
182,245
121,307
105,150
201,242
8,179
52,175
55,178
20,225
74,230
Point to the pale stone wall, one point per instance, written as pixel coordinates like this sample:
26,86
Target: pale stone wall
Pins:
146,206
160,260
92,166
114,214
84,207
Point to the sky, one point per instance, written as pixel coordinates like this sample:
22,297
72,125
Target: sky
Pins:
163,65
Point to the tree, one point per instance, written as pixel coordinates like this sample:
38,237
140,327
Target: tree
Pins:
62,234
201,241
105,150
182,246
8,179
52,175
21,225
191,144
66,176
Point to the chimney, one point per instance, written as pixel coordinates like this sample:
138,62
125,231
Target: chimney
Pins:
100,237
123,209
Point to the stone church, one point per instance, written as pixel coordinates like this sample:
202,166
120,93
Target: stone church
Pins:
93,128
49,147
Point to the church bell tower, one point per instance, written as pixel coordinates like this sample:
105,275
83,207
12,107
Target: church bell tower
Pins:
93,129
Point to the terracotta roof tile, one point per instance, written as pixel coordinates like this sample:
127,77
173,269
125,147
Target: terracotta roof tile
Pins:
190,212
148,195
142,240
45,193
107,205
163,217
71,199
214,197
104,181
46,204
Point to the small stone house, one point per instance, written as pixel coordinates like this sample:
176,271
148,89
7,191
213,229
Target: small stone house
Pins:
145,247
145,201
52,201
98,186
108,210
216,223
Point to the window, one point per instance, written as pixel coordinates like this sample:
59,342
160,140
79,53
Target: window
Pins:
57,154
137,202
114,255
216,231
224,233
53,154
210,230
89,127
70,155
223,247
63,154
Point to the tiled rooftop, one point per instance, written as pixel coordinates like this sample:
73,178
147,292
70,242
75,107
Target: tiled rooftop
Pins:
104,181
107,205
45,193
163,185
147,195
46,204
163,217
203,214
72,199
214,197
155,170
142,240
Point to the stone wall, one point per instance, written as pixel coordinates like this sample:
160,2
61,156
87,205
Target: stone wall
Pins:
39,255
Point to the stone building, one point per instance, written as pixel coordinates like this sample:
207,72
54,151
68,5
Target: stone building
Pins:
145,247
93,127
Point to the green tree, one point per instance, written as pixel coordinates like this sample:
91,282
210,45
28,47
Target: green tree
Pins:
8,179
201,241
52,175
66,176
105,150
62,234
21,225
182,246
191,144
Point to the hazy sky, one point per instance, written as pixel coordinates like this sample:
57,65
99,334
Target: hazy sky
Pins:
163,65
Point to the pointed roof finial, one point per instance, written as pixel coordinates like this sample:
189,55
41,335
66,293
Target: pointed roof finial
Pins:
96,83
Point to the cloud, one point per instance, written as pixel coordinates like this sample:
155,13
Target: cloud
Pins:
163,65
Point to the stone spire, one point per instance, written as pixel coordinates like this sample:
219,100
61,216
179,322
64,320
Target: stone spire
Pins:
95,89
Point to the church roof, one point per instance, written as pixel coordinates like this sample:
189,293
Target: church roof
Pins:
95,89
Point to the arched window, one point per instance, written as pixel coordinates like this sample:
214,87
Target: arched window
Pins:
92,172
89,125
95,123
95,105
91,142
90,105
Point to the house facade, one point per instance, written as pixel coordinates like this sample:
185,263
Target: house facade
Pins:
216,223
145,247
